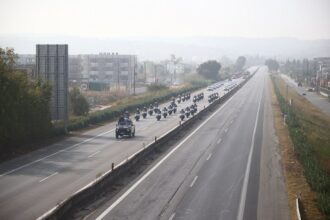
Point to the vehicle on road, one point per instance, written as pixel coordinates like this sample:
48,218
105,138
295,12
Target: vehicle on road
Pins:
158,114
164,112
144,112
182,114
125,127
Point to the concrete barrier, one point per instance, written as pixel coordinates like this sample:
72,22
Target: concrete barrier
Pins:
95,188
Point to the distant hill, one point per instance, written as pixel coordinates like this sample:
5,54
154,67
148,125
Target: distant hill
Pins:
190,48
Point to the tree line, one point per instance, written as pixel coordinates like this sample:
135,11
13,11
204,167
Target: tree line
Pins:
210,69
300,68
24,111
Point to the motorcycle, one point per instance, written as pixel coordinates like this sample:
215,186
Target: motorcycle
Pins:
158,115
170,109
137,116
182,116
165,114
144,114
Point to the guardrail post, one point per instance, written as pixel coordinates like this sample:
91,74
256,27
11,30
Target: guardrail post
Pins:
112,166
298,205
155,138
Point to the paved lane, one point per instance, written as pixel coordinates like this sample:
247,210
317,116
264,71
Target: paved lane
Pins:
211,174
34,183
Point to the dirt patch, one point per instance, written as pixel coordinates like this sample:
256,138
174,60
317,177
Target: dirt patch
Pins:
293,170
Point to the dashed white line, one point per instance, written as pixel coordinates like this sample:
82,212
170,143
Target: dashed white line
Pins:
137,183
50,155
93,154
48,177
172,216
208,157
219,141
226,129
193,182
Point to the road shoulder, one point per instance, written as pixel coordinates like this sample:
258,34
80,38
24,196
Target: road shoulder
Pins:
273,198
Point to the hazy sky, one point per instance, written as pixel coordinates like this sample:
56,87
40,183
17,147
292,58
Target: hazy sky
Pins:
304,19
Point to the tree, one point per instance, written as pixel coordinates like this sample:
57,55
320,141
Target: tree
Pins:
209,69
272,65
24,112
240,63
79,104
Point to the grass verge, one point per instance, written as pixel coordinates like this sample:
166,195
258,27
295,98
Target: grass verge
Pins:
126,104
305,138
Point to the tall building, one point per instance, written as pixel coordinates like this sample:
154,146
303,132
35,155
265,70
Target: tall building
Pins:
52,65
117,70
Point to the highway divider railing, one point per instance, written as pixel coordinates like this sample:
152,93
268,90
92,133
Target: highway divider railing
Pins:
298,207
115,172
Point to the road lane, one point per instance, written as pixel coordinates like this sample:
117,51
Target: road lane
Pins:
73,167
190,184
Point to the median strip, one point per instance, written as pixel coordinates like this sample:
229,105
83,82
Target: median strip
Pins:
121,169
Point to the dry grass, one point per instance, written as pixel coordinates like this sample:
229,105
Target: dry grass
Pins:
293,170
315,123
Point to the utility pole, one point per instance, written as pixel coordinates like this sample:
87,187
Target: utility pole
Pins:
134,78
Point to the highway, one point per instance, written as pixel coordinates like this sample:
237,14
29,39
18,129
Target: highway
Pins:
33,184
226,168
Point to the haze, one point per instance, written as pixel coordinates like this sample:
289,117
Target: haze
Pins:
80,23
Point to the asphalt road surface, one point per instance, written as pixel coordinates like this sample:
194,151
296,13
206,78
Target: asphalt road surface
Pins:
226,168
33,184
317,100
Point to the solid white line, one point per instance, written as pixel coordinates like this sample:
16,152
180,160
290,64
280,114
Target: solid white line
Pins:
208,157
172,216
60,151
247,170
48,177
219,141
193,182
118,165
137,183
94,154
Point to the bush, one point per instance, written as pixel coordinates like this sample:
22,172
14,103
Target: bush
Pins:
156,87
116,111
78,103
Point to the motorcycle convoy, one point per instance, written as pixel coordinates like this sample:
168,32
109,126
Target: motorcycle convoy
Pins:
154,109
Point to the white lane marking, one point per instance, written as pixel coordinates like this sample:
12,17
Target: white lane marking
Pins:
93,154
137,183
118,165
60,151
226,129
193,182
172,216
208,157
48,177
219,141
247,170
231,121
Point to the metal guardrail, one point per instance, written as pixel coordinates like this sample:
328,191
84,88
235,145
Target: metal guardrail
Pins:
117,171
298,206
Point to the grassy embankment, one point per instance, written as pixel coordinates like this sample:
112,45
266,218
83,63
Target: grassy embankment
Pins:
309,131
129,103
